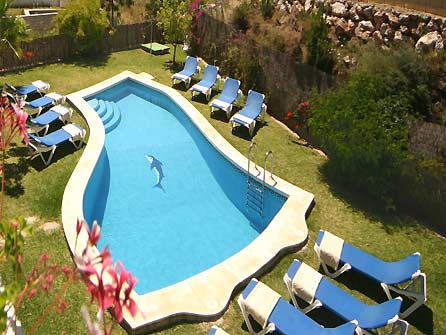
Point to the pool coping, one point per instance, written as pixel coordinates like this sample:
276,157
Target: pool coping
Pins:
206,295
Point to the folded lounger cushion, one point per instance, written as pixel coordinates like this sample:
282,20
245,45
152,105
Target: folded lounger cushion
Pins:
403,277
37,86
308,284
273,313
189,70
231,91
43,122
252,110
68,133
205,85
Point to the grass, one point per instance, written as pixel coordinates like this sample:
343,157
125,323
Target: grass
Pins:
38,192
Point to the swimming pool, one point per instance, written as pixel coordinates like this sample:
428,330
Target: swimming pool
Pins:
169,204
205,295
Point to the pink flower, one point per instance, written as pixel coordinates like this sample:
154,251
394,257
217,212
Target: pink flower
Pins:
22,116
32,293
79,225
95,233
62,306
288,116
125,285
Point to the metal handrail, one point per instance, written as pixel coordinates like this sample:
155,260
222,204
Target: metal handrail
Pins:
268,154
251,147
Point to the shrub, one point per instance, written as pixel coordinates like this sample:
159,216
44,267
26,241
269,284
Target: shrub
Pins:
85,22
266,7
319,47
362,126
12,29
402,70
242,62
240,16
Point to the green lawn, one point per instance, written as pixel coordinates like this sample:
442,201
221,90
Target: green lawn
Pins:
37,191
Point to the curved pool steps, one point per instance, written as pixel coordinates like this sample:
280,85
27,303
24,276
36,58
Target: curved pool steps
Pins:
101,108
115,120
94,103
108,113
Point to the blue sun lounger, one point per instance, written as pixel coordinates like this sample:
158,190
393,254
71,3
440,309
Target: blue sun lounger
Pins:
274,313
47,100
217,331
43,122
403,277
308,284
205,85
36,87
190,68
231,92
248,115
68,133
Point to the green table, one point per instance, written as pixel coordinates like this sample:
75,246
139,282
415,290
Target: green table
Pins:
155,48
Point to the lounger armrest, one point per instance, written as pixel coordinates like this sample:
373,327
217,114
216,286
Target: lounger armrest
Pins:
264,108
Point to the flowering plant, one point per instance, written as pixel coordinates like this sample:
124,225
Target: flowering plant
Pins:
299,116
108,283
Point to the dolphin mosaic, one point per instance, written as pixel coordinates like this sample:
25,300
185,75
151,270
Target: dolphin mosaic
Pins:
157,166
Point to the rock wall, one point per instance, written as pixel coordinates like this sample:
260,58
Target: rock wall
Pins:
380,23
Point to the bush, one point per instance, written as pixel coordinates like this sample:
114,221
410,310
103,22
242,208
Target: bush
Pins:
85,22
402,70
240,16
319,48
267,7
362,128
242,62
364,124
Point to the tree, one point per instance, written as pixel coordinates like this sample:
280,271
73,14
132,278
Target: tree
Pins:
12,29
175,20
85,22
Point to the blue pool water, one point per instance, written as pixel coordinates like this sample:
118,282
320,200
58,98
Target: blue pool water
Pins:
195,220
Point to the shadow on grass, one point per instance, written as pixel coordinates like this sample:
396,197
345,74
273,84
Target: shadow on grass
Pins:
422,318
173,68
94,61
201,98
243,132
14,173
62,151
360,201
219,115
16,170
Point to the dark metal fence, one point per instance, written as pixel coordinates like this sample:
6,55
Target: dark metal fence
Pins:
51,49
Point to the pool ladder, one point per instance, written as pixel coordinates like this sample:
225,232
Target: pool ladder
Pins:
255,189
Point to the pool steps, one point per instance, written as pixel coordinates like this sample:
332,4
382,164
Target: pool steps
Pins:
108,111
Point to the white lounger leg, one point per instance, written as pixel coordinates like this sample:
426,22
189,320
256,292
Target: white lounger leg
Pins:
48,161
415,290
335,274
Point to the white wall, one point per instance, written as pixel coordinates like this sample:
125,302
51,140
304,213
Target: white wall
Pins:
36,3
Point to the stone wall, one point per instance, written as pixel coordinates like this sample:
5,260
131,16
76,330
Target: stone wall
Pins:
365,21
